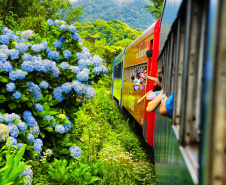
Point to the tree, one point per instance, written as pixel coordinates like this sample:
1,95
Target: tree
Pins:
156,8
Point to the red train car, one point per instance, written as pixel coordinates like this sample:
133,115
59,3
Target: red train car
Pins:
135,59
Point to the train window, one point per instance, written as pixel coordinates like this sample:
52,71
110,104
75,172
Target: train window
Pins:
118,70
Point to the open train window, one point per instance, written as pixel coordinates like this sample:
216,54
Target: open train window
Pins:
118,70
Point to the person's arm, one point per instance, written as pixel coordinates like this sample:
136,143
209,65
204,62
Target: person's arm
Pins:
154,103
142,98
152,78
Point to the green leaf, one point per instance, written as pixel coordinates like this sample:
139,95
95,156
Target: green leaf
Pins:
93,179
29,104
23,98
2,97
12,106
3,79
50,129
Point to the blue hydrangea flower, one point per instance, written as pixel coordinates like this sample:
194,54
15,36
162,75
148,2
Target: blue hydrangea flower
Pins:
83,75
1,118
35,129
63,27
13,130
67,54
26,114
60,129
57,22
45,44
14,54
57,44
97,70
28,44
22,47
75,69
55,72
38,107
62,39
28,66
30,138
72,28
57,93
83,63
3,56
97,60
49,152
7,66
6,30
30,121
75,151
22,126
17,95
66,87
10,87
64,65
13,141
44,85
27,34
67,127
90,92
33,87
48,117
18,74
27,172
75,36
78,87
8,118
27,57
38,142
38,47
50,22
16,38
4,39
54,55
20,145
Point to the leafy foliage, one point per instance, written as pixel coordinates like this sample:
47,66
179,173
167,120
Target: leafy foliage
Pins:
30,14
107,38
10,172
156,8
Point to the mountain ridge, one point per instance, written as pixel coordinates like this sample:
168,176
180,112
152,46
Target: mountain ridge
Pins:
131,12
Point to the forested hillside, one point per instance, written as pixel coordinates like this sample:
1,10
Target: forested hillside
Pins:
131,12
107,38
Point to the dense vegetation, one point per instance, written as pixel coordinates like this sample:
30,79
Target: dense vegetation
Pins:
107,38
131,12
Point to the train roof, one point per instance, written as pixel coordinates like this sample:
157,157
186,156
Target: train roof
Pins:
149,31
169,15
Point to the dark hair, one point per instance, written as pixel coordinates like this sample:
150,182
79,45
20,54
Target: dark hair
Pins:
132,77
149,53
144,69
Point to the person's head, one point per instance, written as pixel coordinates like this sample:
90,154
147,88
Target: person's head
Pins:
132,77
159,77
149,54
145,70
166,106
138,74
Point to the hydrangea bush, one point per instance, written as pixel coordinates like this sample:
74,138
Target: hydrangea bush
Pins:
43,81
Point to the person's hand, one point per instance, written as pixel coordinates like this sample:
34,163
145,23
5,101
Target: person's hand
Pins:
139,101
143,75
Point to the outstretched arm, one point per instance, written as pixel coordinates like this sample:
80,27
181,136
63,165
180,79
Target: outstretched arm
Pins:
154,103
142,98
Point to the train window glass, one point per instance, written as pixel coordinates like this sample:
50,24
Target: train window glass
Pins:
118,70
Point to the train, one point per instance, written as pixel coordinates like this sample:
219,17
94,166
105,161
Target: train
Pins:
190,41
